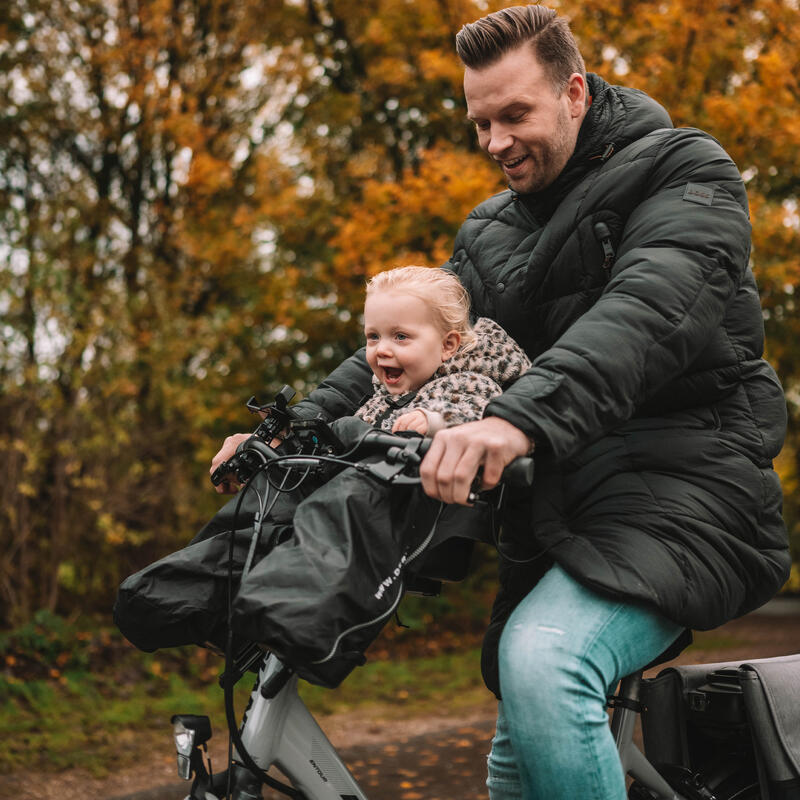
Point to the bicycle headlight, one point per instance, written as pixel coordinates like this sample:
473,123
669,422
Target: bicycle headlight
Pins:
189,732
184,744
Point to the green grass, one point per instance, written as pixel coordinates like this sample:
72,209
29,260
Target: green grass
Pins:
74,694
81,720
87,720
405,688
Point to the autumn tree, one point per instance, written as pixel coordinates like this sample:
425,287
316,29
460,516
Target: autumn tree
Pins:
137,291
192,193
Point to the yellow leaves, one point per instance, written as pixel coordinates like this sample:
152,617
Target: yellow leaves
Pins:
208,174
415,219
437,65
390,72
376,33
116,533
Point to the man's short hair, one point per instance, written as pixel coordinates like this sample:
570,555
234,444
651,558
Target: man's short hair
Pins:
482,43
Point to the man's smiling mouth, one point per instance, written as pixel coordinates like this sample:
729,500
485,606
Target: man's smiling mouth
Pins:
514,163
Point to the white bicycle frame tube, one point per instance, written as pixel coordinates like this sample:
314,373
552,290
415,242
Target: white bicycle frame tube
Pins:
281,731
633,760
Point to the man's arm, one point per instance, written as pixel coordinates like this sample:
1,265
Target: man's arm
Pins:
342,392
679,265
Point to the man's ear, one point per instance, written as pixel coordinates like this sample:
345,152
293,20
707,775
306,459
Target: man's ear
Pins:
576,90
450,343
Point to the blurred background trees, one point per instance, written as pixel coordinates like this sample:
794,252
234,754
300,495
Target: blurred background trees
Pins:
192,193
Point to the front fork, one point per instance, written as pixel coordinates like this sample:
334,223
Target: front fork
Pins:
277,729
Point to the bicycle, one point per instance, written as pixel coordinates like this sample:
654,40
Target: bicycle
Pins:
278,730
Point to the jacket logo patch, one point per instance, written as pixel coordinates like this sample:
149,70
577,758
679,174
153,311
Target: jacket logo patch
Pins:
698,193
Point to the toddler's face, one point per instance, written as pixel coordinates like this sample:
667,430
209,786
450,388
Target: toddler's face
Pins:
404,345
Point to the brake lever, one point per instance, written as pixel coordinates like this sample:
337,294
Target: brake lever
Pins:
387,473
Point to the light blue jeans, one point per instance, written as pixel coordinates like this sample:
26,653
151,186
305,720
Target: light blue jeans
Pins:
562,651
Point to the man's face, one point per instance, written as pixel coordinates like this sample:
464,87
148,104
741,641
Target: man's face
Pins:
521,123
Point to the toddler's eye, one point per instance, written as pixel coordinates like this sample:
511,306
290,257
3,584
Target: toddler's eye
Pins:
400,336
372,337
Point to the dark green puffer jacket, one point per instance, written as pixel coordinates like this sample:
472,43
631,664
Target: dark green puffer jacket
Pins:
654,415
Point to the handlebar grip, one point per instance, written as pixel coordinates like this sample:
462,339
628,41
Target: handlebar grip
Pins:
377,441
519,473
222,471
254,443
240,465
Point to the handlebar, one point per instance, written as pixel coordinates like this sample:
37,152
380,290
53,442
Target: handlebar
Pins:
312,442
412,449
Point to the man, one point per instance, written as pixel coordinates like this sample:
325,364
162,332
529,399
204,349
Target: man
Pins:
618,259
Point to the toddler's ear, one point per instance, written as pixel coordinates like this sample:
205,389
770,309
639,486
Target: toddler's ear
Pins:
450,343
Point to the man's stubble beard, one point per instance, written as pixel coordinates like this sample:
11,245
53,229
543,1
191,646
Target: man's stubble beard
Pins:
551,158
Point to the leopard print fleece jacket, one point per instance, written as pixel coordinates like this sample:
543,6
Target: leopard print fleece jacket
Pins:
462,386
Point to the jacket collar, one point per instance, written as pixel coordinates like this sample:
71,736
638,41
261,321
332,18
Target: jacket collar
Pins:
616,117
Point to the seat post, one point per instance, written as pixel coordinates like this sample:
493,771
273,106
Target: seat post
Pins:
626,707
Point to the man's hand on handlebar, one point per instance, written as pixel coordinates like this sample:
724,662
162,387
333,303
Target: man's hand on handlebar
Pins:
456,454
231,485
227,451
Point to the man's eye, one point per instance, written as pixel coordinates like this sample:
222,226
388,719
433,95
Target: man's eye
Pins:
482,126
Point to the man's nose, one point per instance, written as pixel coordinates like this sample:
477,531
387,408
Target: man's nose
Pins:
499,140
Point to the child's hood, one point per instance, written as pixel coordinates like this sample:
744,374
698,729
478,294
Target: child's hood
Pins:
495,355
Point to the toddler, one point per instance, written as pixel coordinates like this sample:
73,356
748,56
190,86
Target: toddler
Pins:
431,368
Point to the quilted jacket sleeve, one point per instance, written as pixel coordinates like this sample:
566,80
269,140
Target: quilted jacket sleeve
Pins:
342,392
679,264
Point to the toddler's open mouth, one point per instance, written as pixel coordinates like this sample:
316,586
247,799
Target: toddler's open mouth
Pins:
392,374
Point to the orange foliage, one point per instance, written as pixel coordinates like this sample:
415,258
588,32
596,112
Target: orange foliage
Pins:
195,194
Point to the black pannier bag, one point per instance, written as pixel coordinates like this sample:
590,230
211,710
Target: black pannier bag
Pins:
732,724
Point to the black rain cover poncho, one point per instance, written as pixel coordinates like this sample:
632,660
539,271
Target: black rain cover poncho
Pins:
329,569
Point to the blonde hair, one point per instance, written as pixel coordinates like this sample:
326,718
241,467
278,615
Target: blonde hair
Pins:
440,289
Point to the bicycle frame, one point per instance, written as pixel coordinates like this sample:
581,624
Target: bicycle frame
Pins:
278,730
634,762
281,731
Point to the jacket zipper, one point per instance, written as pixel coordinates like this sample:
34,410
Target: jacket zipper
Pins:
603,235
